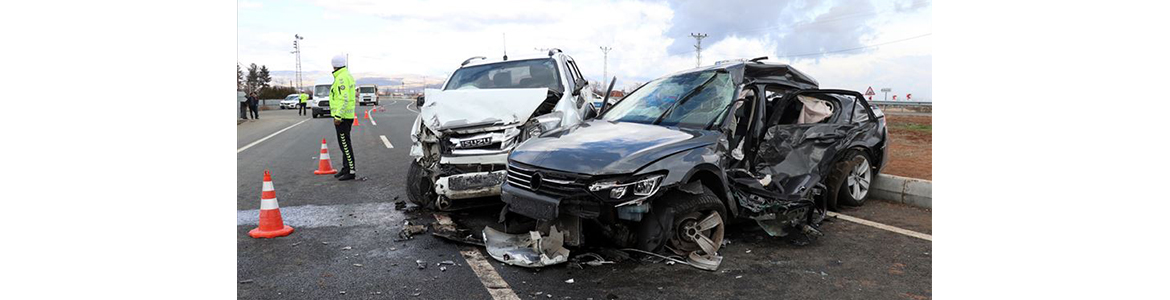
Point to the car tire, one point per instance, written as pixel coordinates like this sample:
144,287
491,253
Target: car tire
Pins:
676,218
419,188
850,181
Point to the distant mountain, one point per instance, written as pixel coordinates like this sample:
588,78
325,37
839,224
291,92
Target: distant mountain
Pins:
392,82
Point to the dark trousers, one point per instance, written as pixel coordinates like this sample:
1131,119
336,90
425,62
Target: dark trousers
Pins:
255,110
244,110
301,108
346,146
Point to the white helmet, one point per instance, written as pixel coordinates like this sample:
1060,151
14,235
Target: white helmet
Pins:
339,61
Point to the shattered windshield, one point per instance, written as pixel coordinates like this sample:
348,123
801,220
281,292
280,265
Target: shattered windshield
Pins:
685,100
532,73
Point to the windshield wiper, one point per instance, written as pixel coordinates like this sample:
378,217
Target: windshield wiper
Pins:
684,99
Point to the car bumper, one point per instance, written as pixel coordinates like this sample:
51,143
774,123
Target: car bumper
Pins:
470,185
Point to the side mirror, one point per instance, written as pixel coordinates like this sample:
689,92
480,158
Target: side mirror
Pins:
418,102
605,102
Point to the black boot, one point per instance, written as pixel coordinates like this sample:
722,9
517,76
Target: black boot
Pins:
341,172
347,176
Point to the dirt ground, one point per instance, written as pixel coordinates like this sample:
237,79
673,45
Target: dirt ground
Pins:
909,146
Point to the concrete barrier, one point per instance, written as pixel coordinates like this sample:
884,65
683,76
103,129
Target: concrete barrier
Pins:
911,191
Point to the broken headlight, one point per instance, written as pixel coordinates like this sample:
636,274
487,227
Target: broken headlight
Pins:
626,190
542,123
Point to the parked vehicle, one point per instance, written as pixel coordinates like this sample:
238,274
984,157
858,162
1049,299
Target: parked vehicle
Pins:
290,102
320,101
367,94
673,161
465,131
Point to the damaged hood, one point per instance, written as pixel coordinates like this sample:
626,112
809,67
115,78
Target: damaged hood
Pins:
465,108
602,147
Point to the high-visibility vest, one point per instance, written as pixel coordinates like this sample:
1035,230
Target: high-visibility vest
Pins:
342,102
304,97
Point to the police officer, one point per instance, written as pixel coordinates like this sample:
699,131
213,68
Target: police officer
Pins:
341,107
301,106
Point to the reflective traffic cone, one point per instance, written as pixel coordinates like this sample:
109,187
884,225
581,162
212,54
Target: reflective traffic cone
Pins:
271,225
355,122
324,166
367,114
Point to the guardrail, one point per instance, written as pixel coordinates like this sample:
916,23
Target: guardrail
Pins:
902,103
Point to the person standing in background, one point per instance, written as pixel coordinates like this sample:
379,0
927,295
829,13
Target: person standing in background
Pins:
254,105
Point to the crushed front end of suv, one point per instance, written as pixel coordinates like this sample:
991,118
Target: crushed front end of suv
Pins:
664,169
465,131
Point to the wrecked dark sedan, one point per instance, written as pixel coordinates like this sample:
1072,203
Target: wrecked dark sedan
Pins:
670,164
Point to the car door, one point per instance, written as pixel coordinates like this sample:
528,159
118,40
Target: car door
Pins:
804,150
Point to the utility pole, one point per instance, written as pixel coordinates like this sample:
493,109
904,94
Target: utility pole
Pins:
698,48
297,51
605,66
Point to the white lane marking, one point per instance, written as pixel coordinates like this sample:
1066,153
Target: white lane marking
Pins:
408,105
371,118
387,142
269,136
491,280
882,226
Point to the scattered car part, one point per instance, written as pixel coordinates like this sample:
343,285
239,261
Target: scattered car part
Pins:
526,249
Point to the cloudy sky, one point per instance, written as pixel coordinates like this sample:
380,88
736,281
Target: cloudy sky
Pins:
842,43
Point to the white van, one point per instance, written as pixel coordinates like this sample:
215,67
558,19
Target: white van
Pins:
367,94
320,101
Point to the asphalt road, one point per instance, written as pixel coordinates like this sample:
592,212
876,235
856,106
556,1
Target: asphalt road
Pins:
346,241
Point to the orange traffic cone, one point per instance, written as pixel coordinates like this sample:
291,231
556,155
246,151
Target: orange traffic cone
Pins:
355,122
324,166
367,114
271,225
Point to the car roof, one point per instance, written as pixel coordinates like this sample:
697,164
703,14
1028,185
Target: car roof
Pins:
746,70
526,56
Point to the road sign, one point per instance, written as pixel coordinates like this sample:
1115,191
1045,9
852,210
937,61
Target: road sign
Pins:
895,97
907,96
887,90
869,92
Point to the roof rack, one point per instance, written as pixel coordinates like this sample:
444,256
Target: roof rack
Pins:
758,59
469,60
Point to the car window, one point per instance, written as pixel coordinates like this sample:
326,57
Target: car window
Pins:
711,92
859,113
532,73
366,89
322,91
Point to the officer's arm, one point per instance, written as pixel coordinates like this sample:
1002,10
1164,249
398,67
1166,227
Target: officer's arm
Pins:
335,112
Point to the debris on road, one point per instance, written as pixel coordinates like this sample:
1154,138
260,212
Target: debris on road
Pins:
445,228
569,281
527,250
591,259
409,230
422,264
347,248
357,265
245,281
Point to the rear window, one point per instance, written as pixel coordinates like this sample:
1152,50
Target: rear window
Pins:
367,90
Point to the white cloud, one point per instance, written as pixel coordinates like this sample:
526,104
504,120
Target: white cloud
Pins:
391,39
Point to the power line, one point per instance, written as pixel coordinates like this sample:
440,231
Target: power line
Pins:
857,48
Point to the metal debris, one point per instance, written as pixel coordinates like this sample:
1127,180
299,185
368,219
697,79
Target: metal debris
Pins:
245,281
527,250
357,265
569,281
346,248
422,264
409,230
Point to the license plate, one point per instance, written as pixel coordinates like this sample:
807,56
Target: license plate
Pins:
475,143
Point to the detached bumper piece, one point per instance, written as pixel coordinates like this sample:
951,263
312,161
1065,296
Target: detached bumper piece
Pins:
530,249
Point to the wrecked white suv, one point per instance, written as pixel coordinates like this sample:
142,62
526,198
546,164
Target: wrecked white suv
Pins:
465,131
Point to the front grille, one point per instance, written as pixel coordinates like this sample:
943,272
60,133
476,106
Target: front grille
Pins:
552,183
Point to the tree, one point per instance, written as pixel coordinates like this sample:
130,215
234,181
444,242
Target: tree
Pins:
239,78
263,78
252,81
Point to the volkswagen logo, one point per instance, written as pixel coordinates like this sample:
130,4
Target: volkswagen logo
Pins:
535,181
